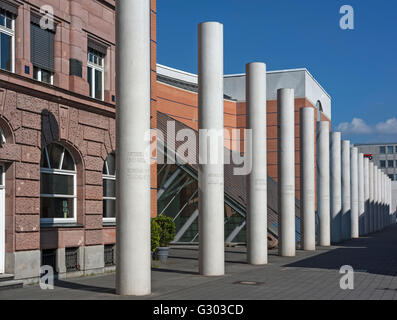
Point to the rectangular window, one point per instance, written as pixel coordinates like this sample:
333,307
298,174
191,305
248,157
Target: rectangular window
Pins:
383,163
382,150
390,149
391,176
42,53
43,75
109,197
7,40
109,255
390,163
95,73
72,259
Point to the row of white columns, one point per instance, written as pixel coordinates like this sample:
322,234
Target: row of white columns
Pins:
133,168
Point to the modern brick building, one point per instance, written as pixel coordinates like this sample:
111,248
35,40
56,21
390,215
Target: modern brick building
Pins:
57,125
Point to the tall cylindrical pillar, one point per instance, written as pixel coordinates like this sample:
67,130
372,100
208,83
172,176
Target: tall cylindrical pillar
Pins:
308,218
211,172
366,196
361,201
376,192
354,229
257,179
379,217
371,197
286,172
383,200
323,183
346,196
336,188
133,267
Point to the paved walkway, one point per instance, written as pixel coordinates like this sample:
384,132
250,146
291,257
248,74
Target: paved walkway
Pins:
307,276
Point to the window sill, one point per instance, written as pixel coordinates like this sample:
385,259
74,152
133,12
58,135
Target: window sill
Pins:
61,225
109,223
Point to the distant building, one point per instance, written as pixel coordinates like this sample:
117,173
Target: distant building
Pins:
384,155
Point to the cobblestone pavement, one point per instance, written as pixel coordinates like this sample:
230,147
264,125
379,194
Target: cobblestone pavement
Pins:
309,275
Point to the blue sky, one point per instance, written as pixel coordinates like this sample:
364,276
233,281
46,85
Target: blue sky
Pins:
358,68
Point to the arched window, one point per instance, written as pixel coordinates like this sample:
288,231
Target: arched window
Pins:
58,196
109,188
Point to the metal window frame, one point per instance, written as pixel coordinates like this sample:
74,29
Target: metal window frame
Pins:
72,252
106,249
59,171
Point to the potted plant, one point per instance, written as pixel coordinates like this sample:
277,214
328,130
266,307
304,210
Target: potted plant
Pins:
167,234
154,236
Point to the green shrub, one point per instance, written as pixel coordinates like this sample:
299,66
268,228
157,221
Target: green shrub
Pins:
167,233
155,235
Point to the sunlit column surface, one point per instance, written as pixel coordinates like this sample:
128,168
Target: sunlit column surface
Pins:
257,179
336,188
286,172
366,196
323,183
376,204
211,173
308,218
371,196
354,229
361,196
346,196
133,268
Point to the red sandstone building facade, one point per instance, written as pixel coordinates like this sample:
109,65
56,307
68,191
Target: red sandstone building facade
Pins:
57,125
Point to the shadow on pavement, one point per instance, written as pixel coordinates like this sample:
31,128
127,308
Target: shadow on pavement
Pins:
376,254
84,287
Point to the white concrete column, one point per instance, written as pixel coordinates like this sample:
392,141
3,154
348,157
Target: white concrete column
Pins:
354,229
371,197
379,217
383,200
346,195
366,196
390,202
361,201
286,172
376,191
211,173
336,188
391,215
308,209
257,179
380,199
133,267
323,183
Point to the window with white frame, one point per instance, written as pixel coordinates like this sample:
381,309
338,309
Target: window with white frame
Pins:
109,188
7,40
43,75
95,73
58,196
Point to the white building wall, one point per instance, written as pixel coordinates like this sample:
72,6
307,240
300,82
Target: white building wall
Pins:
303,83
